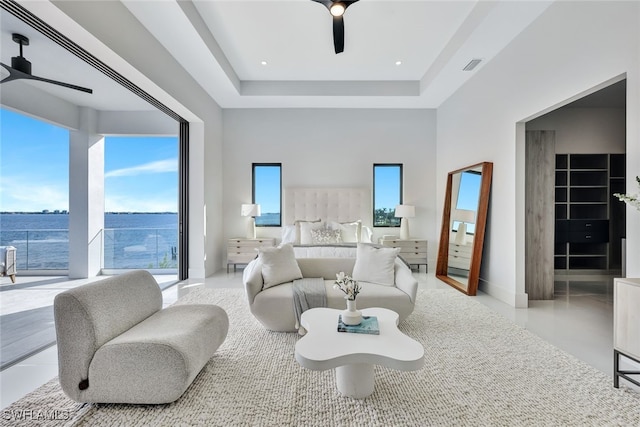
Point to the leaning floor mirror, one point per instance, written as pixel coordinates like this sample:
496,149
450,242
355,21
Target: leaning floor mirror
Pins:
464,221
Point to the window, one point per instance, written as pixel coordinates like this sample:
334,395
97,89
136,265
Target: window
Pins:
267,192
141,178
387,194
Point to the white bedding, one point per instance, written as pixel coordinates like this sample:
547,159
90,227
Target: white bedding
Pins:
325,251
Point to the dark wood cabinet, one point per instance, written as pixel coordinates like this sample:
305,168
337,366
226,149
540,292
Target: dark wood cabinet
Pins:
589,220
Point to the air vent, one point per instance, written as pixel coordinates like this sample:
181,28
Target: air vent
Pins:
472,64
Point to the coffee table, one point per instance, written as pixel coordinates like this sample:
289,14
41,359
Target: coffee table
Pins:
353,355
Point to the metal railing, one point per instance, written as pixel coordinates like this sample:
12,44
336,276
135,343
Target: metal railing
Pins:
123,248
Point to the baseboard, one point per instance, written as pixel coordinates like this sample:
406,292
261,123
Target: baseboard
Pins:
196,273
517,300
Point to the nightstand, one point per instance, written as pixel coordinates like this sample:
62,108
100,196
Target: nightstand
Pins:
243,251
413,251
460,256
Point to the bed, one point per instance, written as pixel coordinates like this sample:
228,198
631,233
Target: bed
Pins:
326,222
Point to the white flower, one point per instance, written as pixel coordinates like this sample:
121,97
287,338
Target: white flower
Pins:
632,199
346,284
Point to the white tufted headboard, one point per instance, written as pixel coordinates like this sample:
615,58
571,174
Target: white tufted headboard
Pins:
327,204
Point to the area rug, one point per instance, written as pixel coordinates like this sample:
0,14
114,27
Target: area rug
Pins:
480,370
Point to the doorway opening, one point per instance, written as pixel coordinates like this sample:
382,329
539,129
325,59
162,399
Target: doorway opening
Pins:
585,146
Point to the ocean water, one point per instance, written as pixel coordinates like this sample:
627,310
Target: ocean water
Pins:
138,240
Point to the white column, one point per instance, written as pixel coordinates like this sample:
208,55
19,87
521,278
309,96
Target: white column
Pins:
86,197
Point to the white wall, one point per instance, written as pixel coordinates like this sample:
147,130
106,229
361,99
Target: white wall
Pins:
585,130
332,148
572,48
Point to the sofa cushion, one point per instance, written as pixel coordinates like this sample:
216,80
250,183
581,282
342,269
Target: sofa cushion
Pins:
273,307
157,359
278,265
375,265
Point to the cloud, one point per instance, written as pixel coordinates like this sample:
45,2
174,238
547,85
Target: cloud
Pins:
160,166
20,194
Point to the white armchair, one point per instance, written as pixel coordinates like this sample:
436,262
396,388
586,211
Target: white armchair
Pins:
8,262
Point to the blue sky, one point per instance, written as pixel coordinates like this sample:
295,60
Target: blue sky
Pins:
141,173
469,192
267,183
387,180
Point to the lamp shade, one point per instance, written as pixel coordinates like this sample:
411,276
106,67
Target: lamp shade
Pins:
250,210
464,215
405,211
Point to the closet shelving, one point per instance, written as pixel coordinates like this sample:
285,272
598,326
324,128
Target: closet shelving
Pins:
589,220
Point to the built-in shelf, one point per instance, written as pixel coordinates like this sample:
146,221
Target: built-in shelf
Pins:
589,220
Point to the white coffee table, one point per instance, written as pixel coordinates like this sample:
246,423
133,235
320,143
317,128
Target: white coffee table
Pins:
353,355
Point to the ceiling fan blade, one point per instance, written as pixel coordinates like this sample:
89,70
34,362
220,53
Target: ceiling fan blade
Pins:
338,33
55,82
327,3
17,74
13,74
348,3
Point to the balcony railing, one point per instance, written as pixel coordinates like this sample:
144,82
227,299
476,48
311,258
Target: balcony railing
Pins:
152,248
124,248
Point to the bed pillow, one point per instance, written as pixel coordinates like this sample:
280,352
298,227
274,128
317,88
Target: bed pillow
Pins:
366,235
305,231
289,234
349,231
324,236
279,265
297,224
375,265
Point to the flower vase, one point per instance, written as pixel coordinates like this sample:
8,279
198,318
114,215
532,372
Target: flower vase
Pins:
351,316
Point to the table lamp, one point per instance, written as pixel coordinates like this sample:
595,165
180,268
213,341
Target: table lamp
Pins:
252,211
464,217
404,212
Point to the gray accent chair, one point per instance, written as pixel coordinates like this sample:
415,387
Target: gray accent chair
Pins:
116,344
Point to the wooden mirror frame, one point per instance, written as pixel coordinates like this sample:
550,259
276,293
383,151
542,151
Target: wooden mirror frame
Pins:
442,271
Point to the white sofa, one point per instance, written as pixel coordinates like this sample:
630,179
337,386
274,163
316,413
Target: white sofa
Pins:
273,306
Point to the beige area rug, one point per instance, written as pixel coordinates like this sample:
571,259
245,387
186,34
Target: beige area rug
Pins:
481,370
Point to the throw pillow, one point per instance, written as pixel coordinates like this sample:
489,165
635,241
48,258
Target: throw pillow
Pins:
375,265
324,236
279,265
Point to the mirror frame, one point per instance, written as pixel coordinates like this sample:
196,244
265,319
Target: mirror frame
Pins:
478,241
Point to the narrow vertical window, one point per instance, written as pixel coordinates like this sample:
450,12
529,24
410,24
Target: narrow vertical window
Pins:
387,194
267,192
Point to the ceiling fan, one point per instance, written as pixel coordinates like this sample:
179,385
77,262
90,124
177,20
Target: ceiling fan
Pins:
337,9
21,68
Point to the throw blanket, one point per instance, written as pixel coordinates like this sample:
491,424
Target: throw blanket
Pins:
308,293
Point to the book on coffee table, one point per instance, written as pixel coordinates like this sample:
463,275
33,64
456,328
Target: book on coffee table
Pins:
369,325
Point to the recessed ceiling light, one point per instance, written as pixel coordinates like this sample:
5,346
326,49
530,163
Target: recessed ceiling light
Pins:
263,62
398,62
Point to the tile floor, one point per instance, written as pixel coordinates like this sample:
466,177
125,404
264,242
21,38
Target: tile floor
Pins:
579,321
